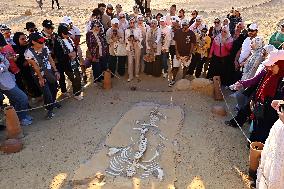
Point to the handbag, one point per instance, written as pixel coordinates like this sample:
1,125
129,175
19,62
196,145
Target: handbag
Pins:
258,110
48,74
120,49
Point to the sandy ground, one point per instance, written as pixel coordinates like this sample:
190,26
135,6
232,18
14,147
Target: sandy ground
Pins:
212,155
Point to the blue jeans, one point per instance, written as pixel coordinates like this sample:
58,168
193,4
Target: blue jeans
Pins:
19,100
49,91
164,57
99,67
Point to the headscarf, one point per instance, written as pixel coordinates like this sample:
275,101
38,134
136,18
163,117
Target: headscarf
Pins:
219,38
19,49
254,59
270,83
2,40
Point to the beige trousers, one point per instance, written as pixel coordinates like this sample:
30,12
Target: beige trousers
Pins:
133,62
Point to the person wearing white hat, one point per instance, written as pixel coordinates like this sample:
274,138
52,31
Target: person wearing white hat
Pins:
76,37
172,13
166,42
244,52
143,27
185,40
117,48
153,44
123,22
174,27
133,39
198,25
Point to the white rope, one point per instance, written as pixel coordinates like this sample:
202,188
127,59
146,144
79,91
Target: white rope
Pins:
56,101
230,112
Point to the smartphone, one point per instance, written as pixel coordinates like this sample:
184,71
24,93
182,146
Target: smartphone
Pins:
281,107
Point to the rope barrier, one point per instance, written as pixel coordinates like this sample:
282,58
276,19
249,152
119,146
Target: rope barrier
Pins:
148,90
230,112
56,101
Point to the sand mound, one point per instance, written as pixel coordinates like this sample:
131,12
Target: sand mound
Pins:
182,85
219,110
204,86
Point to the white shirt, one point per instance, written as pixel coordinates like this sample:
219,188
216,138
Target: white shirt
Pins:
137,35
246,49
157,41
167,33
30,56
68,45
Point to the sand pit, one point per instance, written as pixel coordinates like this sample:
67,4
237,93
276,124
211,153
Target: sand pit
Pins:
125,154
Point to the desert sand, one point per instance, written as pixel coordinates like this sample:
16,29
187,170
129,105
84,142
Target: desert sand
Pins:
211,155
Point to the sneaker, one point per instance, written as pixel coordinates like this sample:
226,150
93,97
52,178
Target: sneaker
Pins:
137,76
128,80
66,94
2,127
50,114
231,123
85,78
165,75
79,97
29,117
57,105
171,83
26,122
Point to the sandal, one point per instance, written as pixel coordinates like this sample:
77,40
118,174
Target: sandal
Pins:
231,123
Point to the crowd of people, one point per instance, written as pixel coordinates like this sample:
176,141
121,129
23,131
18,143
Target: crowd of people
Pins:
35,64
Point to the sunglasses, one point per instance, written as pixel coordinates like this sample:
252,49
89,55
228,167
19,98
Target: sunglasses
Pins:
32,30
250,30
122,17
216,22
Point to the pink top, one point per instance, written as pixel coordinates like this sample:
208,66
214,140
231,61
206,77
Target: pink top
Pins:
221,50
6,51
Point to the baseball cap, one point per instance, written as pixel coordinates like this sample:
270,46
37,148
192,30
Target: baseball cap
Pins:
198,18
66,20
118,6
37,37
114,21
273,57
162,19
185,22
140,17
4,27
63,29
253,26
109,6
154,21
47,24
30,25
175,19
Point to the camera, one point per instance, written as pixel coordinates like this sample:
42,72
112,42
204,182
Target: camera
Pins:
281,107
114,32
